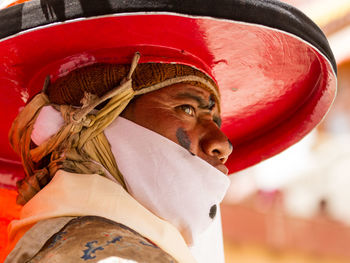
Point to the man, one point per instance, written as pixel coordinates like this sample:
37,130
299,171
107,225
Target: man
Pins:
146,185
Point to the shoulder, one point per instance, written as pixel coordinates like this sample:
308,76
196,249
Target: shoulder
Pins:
93,238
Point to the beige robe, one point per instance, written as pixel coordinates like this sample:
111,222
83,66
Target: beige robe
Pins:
69,195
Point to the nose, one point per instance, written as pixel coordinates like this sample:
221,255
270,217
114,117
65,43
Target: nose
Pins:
215,143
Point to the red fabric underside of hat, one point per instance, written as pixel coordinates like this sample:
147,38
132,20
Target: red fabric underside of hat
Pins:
275,88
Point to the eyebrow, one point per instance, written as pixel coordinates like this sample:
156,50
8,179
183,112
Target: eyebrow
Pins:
202,104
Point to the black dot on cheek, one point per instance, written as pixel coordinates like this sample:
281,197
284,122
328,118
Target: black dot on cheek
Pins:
212,212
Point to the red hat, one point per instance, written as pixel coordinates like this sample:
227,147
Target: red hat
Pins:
274,68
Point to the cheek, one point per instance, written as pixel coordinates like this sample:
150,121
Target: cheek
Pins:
161,121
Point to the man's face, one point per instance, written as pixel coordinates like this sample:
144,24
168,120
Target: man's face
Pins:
188,116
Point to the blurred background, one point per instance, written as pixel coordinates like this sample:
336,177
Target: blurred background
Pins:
295,207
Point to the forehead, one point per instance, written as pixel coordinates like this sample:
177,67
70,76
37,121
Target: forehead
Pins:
181,87
186,91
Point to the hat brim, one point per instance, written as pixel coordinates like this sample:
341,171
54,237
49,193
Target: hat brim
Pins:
274,68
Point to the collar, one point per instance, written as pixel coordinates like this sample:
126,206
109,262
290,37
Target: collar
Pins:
71,194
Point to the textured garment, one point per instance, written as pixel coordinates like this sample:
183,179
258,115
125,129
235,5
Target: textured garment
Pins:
34,239
91,238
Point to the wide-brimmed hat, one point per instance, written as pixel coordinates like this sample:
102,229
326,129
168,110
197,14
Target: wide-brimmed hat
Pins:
273,66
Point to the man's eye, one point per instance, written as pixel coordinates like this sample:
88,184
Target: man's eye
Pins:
188,109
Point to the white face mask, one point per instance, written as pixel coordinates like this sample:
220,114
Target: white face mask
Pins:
161,175
166,179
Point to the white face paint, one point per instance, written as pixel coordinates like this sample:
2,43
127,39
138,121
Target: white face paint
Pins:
165,178
161,175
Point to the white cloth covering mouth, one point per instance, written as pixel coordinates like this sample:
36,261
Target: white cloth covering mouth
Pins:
165,178
160,174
